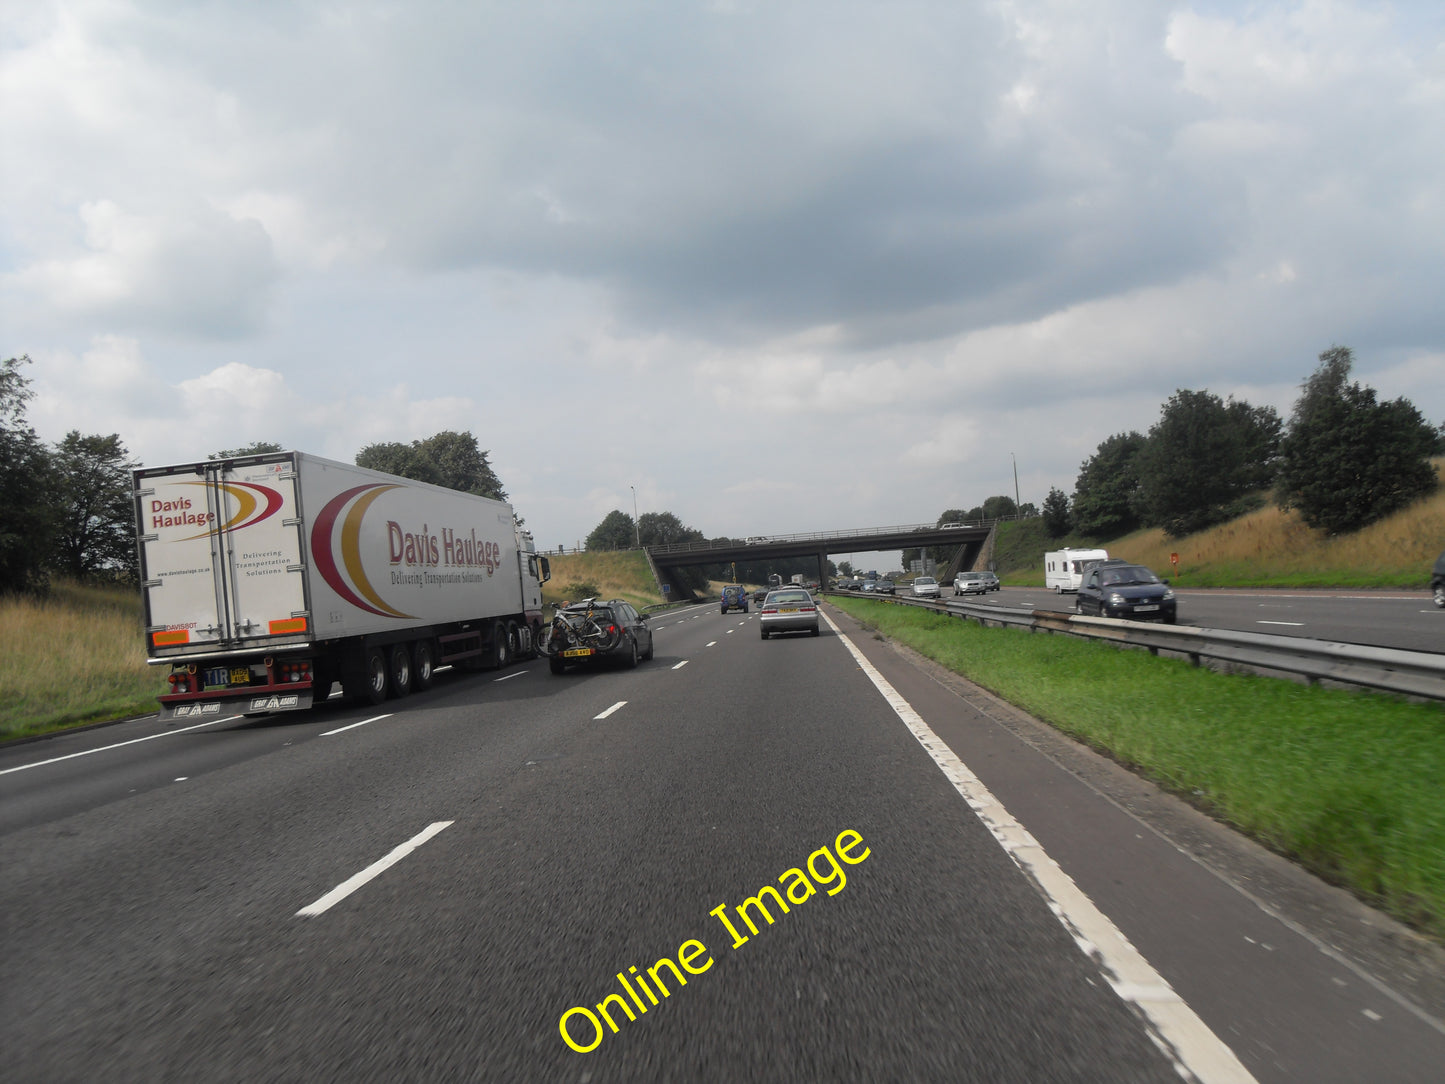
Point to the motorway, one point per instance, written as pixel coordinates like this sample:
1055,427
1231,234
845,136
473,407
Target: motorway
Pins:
422,891
1382,618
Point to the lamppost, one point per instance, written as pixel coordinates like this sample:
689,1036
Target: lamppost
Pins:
636,526
1017,510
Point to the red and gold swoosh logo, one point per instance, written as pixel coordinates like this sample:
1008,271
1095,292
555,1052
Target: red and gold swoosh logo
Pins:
253,504
325,547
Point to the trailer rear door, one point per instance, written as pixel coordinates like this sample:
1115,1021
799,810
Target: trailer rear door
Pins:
221,554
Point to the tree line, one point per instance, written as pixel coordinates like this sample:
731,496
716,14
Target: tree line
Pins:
69,507
1343,461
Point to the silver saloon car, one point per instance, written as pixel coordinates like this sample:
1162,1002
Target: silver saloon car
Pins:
790,609
925,587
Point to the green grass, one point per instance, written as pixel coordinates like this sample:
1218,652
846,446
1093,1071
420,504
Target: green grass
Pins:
1348,784
76,657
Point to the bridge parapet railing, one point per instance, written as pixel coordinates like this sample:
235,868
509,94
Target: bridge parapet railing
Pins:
807,536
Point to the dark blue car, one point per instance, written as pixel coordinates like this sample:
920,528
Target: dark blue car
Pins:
1120,589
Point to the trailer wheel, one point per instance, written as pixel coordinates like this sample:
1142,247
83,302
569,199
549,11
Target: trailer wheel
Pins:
321,681
423,665
501,645
398,671
366,681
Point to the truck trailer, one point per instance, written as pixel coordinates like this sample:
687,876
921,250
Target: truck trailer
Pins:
268,578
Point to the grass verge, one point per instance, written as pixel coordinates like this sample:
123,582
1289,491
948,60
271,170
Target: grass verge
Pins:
1264,548
1348,784
621,574
76,657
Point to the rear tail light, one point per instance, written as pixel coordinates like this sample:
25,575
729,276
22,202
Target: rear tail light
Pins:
296,671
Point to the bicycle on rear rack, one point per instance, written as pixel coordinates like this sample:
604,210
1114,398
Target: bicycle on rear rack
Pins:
577,627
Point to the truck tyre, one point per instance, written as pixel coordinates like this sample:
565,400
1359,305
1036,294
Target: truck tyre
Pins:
321,681
366,682
556,665
423,665
514,640
501,646
398,671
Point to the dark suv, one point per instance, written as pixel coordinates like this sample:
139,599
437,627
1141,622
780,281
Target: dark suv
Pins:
633,636
734,597
1116,588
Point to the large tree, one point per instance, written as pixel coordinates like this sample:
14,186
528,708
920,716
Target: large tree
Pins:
1056,513
615,532
999,507
664,528
25,488
256,447
447,459
95,510
1106,493
1348,460
1202,459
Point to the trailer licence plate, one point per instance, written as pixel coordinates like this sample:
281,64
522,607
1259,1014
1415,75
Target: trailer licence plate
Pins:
576,652
220,675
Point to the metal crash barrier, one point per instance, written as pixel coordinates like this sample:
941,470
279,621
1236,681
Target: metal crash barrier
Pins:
1408,673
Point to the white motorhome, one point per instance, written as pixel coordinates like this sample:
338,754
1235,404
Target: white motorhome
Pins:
1064,569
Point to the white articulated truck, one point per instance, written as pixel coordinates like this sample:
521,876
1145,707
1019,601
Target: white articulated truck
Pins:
267,578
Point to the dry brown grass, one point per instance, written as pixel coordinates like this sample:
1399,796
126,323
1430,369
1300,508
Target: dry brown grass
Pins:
620,574
1274,547
76,656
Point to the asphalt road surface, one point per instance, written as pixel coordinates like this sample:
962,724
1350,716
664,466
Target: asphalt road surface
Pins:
433,890
1402,619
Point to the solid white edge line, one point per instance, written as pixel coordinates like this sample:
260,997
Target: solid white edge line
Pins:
610,710
119,744
347,887
353,726
1197,1053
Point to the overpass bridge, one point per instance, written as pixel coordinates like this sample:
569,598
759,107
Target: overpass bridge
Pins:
970,539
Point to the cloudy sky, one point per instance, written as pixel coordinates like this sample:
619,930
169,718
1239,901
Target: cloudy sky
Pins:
779,266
